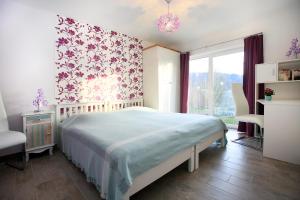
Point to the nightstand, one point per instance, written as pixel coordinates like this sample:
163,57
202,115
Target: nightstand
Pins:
39,130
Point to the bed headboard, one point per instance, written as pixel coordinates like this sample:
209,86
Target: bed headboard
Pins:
64,111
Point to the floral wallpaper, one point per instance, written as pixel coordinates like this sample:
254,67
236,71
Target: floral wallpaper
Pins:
94,64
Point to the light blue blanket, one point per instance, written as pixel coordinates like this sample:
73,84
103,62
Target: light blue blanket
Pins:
132,142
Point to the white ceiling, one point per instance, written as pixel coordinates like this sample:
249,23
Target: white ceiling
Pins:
202,21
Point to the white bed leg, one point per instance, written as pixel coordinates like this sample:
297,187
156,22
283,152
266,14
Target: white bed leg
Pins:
196,159
191,162
126,196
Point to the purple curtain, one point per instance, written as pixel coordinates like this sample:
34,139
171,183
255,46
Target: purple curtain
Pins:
184,81
253,54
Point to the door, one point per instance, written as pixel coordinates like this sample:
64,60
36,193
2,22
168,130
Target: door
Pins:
210,81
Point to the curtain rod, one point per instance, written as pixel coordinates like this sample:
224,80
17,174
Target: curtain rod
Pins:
215,44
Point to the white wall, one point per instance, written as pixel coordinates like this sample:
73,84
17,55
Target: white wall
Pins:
279,28
278,31
27,38
27,52
147,44
218,49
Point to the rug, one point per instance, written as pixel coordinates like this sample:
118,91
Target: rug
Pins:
251,142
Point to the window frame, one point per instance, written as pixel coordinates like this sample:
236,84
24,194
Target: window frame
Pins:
210,55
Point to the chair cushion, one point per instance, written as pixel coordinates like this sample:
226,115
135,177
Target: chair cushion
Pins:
3,125
3,116
11,138
252,118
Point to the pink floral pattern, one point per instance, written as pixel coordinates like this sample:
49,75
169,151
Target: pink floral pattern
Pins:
94,64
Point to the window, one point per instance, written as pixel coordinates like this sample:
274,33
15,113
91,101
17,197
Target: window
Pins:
210,85
198,86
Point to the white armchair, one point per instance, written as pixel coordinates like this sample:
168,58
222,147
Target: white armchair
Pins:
11,142
242,109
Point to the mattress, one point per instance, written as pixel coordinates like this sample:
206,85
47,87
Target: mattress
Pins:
113,148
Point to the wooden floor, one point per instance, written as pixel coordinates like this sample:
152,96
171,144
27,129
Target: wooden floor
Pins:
232,173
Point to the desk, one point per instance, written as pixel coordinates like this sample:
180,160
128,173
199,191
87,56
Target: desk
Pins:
282,130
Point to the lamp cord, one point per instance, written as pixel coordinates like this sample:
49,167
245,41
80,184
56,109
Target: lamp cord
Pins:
168,8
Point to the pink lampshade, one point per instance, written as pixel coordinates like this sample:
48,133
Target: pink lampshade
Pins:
168,23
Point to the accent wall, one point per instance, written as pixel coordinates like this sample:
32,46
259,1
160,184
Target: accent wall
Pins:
94,64
27,56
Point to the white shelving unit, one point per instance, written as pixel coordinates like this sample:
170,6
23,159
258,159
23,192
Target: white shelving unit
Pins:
269,74
266,73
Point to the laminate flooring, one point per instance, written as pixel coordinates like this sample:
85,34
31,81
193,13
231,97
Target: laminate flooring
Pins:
231,173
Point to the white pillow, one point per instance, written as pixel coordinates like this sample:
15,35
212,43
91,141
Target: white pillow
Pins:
140,108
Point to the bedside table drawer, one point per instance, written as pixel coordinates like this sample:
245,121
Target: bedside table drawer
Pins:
38,135
38,119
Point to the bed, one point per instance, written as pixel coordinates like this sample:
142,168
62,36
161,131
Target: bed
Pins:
125,150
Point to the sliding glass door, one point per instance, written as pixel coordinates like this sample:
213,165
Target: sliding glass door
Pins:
210,85
198,86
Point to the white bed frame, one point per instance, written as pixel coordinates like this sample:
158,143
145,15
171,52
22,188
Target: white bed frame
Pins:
191,154
64,111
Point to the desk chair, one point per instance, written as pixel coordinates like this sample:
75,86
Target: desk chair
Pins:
242,109
11,142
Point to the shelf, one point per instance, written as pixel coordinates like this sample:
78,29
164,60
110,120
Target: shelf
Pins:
289,61
280,102
293,81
